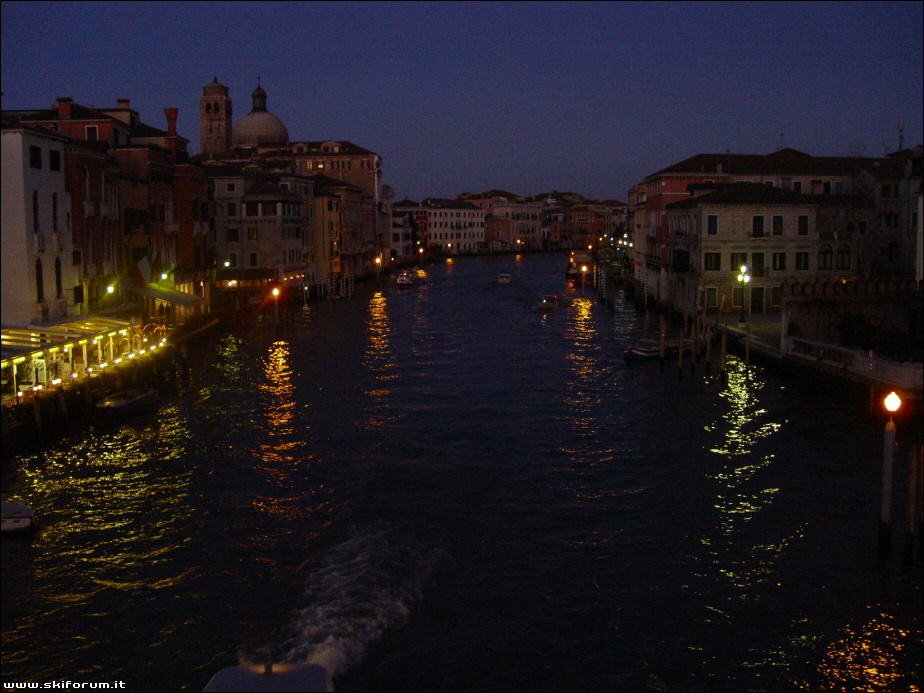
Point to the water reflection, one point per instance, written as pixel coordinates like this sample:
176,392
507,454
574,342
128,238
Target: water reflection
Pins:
378,360
868,657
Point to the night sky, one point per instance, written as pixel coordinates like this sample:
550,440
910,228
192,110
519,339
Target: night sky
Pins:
526,97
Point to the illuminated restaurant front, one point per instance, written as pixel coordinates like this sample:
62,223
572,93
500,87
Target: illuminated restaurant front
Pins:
36,358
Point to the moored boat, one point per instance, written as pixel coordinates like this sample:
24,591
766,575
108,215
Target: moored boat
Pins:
404,278
126,401
16,517
650,349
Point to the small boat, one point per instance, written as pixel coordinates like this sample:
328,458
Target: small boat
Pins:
547,303
16,517
404,278
126,401
271,677
650,349
503,278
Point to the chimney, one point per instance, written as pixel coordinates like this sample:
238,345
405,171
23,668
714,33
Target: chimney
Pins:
123,103
64,107
171,114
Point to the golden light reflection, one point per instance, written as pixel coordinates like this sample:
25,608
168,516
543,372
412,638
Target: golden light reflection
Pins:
279,412
868,658
379,360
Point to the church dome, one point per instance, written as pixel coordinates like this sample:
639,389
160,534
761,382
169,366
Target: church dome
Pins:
259,127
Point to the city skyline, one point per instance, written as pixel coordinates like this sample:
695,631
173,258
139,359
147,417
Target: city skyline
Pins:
526,97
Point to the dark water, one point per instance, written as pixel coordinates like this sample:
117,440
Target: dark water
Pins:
442,489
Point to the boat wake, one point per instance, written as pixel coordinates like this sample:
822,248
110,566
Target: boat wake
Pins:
367,585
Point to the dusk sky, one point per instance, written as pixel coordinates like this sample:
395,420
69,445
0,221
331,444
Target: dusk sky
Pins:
526,97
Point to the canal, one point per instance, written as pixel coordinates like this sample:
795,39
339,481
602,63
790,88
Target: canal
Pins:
440,488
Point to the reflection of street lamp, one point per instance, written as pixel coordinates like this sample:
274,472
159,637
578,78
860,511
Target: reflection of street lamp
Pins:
892,402
744,278
276,304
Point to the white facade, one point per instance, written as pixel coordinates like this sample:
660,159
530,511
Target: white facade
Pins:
37,248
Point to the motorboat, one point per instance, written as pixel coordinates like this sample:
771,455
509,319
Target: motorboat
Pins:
404,278
650,349
547,303
16,517
503,278
127,401
271,677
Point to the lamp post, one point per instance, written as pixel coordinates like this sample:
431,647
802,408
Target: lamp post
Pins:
743,278
583,276
378,268
276,305
892,402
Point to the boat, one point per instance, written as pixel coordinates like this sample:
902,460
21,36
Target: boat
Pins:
547,303
271,677
404,278
503,278
127,401
16,517
650,349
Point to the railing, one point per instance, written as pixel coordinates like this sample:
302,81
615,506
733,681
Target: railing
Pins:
859,363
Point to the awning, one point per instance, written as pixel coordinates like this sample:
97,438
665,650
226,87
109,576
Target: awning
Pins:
180,298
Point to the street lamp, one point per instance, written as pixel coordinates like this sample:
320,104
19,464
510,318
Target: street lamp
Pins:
892,402
583,276
276,304
743,278
378,267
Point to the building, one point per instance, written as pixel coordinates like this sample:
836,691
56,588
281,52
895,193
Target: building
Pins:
41,280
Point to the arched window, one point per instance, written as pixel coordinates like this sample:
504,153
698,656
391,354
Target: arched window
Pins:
825,257
59,285
39,281
35,212
208,108
844,257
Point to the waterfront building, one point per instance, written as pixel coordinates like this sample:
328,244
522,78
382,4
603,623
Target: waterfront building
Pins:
450,227
856,181
515,226
260,140
41,280
775,233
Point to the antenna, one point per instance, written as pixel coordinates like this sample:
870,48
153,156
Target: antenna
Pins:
901,134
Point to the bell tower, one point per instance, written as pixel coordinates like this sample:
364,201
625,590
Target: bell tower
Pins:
215,119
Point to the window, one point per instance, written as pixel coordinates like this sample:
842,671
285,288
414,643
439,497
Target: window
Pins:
712,224
252,234
844,257
757,265
39,281
92,133
737,260
777,225
712,262
712,297
803,225
253,259
779,261
230,187
251,209
826,187
268,209
54,160
825,257
802,261
35,157
775,294
231,236
757,226
232,259
59,284
232,209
